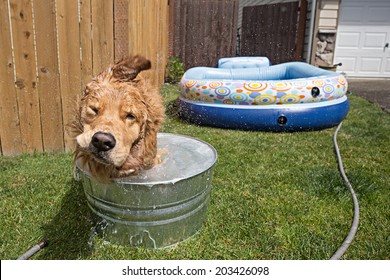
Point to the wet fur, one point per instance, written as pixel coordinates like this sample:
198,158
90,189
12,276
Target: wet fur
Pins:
119,101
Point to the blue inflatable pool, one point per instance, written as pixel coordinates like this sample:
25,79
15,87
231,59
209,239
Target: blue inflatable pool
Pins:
292,96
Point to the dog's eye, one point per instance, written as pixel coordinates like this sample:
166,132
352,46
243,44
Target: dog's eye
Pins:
93,110
130,116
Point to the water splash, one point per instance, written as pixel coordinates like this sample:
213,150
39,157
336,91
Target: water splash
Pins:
139,240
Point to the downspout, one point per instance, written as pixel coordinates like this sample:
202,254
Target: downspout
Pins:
311,30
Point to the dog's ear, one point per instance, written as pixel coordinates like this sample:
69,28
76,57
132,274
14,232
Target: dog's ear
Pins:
128,68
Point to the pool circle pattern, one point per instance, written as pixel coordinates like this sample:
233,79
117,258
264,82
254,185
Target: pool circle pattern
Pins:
263,93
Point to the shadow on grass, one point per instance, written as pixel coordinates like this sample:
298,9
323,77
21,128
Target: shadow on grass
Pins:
70,231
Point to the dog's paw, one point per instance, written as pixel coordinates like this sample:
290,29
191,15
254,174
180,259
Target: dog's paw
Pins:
161,154
76,174
124,173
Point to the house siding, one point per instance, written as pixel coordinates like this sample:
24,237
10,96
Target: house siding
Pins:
325,32
328,14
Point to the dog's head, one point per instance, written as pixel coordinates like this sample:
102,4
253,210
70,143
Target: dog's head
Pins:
118,119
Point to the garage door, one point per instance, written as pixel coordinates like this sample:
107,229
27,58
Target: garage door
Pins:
363,38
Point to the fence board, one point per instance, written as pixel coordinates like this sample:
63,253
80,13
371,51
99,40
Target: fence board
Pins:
301,30
102,34
26,84
9,125
262,35
69,56
48,75
134,13
86,41
121,23
148,31
204,31
160,53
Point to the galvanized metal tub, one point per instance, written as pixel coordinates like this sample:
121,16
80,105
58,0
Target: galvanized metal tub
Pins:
158,207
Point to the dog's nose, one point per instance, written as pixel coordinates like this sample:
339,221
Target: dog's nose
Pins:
103,141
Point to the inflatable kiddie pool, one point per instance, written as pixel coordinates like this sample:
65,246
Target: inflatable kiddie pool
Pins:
247,93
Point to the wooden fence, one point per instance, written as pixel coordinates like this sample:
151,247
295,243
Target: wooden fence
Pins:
275,31
49,49
204,30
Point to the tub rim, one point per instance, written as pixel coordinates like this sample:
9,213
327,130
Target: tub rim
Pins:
122,181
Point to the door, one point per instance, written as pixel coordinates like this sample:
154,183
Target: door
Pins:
363,38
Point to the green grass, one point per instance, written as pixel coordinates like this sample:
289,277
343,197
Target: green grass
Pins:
275,196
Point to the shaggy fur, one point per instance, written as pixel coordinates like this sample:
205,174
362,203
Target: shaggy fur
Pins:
117,121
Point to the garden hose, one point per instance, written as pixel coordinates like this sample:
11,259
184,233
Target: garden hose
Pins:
355,222
30,252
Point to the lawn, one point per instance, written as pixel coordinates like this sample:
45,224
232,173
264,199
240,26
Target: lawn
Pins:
275,196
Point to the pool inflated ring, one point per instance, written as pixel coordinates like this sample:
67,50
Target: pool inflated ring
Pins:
292,96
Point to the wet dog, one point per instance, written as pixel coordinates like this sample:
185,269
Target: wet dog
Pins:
117,121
